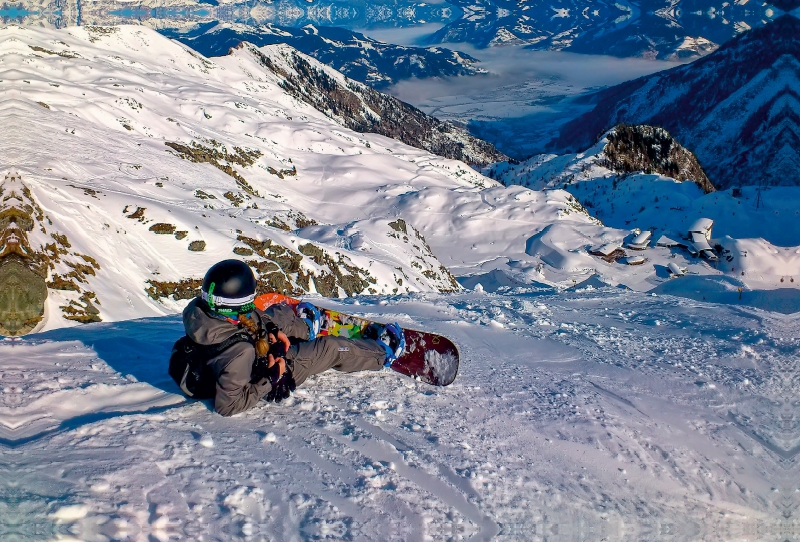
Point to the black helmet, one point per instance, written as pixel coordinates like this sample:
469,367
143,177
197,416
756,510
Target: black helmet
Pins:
229,287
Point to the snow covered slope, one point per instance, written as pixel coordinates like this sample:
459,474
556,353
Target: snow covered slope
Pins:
736,109
133,159
154,162
588,415
150,162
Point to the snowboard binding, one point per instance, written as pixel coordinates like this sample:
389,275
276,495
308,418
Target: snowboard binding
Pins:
391,337
310,314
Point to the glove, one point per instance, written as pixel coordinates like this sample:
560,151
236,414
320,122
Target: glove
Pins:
278,350
283,388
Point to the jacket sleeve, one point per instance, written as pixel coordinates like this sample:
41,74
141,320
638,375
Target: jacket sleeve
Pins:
235,393
283,316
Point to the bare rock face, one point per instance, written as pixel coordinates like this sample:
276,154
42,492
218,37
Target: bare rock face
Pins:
23,290
22,297
34,261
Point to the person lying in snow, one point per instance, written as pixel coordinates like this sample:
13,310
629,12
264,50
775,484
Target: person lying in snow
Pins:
265,354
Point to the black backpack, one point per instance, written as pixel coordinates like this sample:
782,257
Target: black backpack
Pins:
189,368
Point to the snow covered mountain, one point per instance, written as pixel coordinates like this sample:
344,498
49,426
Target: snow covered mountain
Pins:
363,109
736,109
104,191
358,57
350,14
653,28
133,163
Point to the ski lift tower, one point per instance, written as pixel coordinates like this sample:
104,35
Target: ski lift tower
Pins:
761,186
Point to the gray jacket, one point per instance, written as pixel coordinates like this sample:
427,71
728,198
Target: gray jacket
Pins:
233,367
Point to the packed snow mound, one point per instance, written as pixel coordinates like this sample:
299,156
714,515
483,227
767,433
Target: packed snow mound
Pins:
556,248
758,260
727,290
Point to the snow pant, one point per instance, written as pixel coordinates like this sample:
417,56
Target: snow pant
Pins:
283,316
340,353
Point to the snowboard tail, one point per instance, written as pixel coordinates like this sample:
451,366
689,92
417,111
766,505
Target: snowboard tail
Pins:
429,357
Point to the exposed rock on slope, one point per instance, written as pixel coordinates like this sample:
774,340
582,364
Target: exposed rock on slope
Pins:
364,109
652,150
737,109
621,151
357,56
36,258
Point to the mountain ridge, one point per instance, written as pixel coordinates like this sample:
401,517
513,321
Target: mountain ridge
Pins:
734,108
357,56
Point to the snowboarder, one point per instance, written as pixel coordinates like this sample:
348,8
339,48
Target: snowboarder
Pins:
282,349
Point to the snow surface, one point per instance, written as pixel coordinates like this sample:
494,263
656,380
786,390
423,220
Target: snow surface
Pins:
598,414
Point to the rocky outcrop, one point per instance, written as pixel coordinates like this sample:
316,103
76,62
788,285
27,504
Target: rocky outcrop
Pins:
649,149
27,270
623,151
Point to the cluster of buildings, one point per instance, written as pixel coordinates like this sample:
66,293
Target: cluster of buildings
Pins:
697,241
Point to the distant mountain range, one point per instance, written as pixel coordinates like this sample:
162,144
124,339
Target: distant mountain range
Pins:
361,58
350,14
737,109
651,28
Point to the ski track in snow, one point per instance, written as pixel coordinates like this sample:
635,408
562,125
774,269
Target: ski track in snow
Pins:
588,415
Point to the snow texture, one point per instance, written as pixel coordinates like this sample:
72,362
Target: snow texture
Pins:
595,414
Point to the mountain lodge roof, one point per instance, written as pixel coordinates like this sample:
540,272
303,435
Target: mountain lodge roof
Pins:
702,225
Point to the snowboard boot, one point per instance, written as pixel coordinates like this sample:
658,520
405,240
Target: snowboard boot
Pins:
310,315
391,337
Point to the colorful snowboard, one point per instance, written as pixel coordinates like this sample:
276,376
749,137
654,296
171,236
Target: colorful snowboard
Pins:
431,358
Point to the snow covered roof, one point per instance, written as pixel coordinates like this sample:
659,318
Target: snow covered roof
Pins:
675,270
605,250
701,225
641,241
699,241
665,241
